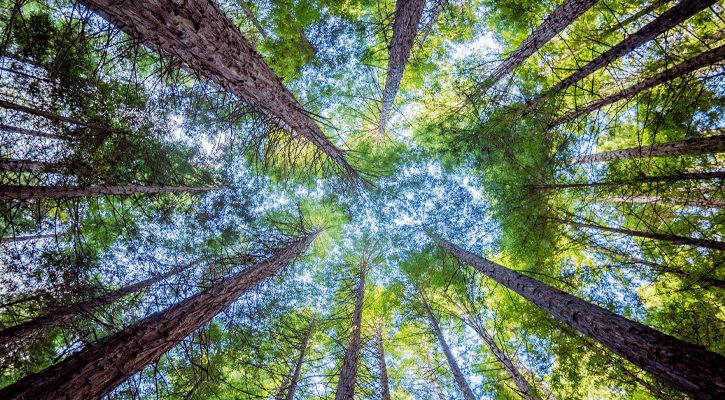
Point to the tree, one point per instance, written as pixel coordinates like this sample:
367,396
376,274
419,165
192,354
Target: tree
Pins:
348,372
697,146
12,165
385,393
689,368
54,192
287,391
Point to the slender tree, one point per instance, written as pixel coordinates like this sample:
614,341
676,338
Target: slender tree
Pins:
29,132
348,372
430,371
48,115
687,367
13,165
385,387
711,144
673,201
10,192
33,237
289,388
635,181
98,369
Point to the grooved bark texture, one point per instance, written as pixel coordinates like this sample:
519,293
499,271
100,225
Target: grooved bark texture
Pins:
13,165
8,336
672,201
712,144
348,372
55,192
32,111
385,387
669,19
457,374
298,367
94,372
405,26
687,367
703,60
30,132
556,22
202,36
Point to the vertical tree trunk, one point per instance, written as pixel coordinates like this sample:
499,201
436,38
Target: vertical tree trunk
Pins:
256,23
433,378
457,374
30,132
13,165
48,115
712,144
669,19
385,387
703,60
556,22
202,36
638,180
405,26
95,371
530,375
671,201
10,192
298,367
687,367
21,238
17,332
348,372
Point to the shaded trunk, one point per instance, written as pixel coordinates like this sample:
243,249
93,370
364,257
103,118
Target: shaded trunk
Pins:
671,201
687,367
712,144
669,19
95,371
13,165
254,21
457,374
385,387
56,192
642,382
298,367
530,375
405,26
710,244
703,60
48,115
199,33
348,372
556,22
30,132
21,238
434,379
54,318
193,389
638,180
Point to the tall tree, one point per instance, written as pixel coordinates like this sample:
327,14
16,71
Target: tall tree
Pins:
385,387
689,368
9,192
635,181
674,201
430,371
348,372
287,391
704,145
94,372
13,165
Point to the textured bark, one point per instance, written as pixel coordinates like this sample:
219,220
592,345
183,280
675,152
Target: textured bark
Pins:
671,201
712,144
385,387
405,26
13,165
430,371
57,192
48,115
703,60
33,237
638,180
95,371
54,318
202,36
298,367
30,132
556,22
523,385
710,244
457,374
669,19
687,367
348,372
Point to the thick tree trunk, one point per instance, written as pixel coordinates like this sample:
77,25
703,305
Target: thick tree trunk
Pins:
710,244
30,132
712,144
95,371
556,22
384,385
348,372
523,385
48,115
13,165
457,374
669,19
17,332
298,367
21,238
57,192
703,60
405,26
638,180
687,367
433,378
202,36
670,201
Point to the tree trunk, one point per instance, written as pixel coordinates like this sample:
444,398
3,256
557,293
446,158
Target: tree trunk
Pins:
385,387
95,371
256,23
348,372
669,19
712,144
54,318
407,17
457,374
556,22
28,131
202,36
666,178
703,60
48,115
710,244
9,192
642,382
13,165
524,387
434,379
671,201
687,367
530,375
21,238
298,367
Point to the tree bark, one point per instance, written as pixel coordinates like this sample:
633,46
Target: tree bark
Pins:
556,22
21,238
405,26
202,36
17,332
672,201
30,132
712,144
298,367
669,19
457,374
95,371
703,60
666,178
434,379
14,165
9,192
687,367
530,375
385,387
48,115
348,372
